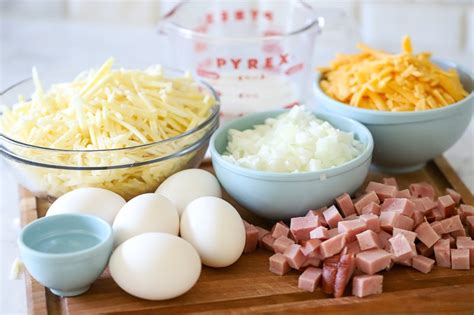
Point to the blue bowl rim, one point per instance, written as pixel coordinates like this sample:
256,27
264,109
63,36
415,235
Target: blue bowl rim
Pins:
428,114
77,254
302,176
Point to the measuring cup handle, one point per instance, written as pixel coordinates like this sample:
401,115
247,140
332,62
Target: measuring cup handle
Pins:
168,14
331,19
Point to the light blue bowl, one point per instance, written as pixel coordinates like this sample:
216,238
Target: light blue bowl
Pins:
280,196
405,141
66,252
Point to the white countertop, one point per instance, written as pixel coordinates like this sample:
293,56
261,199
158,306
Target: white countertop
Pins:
59,49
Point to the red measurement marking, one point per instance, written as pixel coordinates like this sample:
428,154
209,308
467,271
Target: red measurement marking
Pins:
294,69
291,104
208,74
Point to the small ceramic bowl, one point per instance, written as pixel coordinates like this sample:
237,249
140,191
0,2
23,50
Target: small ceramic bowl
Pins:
66,252
405,141
280,196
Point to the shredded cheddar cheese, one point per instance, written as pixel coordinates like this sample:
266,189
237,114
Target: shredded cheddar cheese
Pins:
374,79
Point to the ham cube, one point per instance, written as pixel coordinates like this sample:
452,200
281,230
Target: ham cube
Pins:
329,275
401,205
401,248
465,242
333,232
351,217
460,259
267,242
384,237
383,191
261,233
405,193
281,244
373,260
446,205
405,223
418,217
371,221
410,236
452,224
391,219
332,216
368,240
294,256
353,248
320,233
437,227
311,261
351,228
309,279
454,195
278,264
423,189
442,252
371,208
461,232
425,205
365,285
310,247
301,226
422,263
345,269
390,181
366,199
470,225
332,246
318,213
344,202
466,211
424,250
251,238
452,240
426,234
280,229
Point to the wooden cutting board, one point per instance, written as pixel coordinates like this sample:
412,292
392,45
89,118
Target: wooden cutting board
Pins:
248,286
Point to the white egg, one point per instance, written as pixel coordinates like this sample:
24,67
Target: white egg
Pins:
185,186
90,200
155,266
145,213
215,229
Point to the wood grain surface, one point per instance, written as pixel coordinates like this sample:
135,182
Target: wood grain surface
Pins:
248,286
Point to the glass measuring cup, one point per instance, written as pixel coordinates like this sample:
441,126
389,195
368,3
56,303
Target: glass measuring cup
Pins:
256,54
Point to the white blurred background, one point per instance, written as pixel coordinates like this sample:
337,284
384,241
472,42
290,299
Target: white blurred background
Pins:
62,37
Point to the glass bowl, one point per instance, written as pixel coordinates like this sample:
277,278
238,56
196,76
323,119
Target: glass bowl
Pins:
130,171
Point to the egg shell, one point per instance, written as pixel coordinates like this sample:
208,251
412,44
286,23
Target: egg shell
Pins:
215,229
99,202
185,186
145,213
155,266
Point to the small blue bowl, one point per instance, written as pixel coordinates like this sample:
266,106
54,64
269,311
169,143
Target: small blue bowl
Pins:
405,141
280,196
66,252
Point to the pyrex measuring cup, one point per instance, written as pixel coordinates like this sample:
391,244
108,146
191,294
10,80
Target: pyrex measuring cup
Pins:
256,54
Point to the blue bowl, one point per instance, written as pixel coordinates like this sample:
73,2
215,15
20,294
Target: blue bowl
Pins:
405,141
66,252
280,196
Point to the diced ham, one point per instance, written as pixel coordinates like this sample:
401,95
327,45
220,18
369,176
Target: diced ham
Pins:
332,246
351,217
405,193
418,217
437,214
344,202
278,264
319,214
390,181
452,240
391,219
332,216
427,234
371,221
365,285
311,261
437,227
294,256
452,224
384,237
470,225
466,211
251,238
309,279
310,247
281,244
465,242
333,232
351,228
401,205
383,191
446,205
411,236
460,259
422,263
365,200
280,229
267,242
368,240
371,208
442,252
261,233
345,269
373,260
401,248
301,226
460,232
425,205
329,274
424,250
422,189
454,195
352,248
320,233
